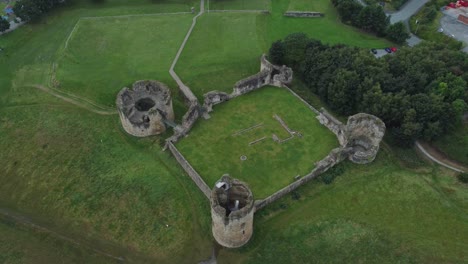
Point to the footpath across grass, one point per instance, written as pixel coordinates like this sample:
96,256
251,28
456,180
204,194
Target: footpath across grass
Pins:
214,147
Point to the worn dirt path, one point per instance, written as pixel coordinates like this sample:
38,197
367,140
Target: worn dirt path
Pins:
438,157
78,101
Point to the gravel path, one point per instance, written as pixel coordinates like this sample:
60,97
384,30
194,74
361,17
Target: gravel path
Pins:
434,155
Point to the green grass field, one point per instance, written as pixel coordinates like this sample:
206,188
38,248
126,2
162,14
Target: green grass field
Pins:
226,47
106,54
79,174
83,169
19,245
377,213
213,148
308,5
238,5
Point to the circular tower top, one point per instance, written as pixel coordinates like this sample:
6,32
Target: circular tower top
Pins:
232,210
364,134
144,108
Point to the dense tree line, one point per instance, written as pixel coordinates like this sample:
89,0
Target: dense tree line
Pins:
371,18
29,10
419,92
395,3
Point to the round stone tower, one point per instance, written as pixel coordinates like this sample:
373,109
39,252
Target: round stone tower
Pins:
364,133
232,212
144,108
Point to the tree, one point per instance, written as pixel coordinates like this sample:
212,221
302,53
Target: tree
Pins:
372,18
341,91
295,47
348,10
31,10
4,25
276,52
398,33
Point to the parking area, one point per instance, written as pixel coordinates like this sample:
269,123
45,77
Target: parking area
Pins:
452,27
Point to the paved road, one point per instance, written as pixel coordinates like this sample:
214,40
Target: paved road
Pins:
454,29
410,8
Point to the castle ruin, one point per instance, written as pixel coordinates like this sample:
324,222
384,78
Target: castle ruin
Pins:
147,108
232,212
144,109
363,133
270,74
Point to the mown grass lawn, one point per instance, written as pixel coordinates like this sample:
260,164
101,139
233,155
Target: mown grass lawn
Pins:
104,55
213,147
226,47
307,5
238,5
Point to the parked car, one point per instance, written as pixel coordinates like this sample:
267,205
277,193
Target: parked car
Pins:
388,50
374,51
393,49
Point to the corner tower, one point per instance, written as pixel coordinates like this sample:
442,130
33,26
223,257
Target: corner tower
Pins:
232,212
145,109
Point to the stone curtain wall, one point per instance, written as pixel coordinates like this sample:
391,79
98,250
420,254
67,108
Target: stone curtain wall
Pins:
269,74
336,156
333,124
303,14
189,170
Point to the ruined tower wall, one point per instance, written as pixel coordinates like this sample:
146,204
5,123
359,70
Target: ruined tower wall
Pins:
235,228
143,109
232,232
334,125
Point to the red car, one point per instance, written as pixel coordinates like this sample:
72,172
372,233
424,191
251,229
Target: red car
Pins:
393,49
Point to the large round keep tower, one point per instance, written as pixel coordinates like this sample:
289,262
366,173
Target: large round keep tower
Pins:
364,133
144,108
232,212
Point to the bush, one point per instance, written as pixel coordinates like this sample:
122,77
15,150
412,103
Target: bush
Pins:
4,25
398,33
329,176
463,177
